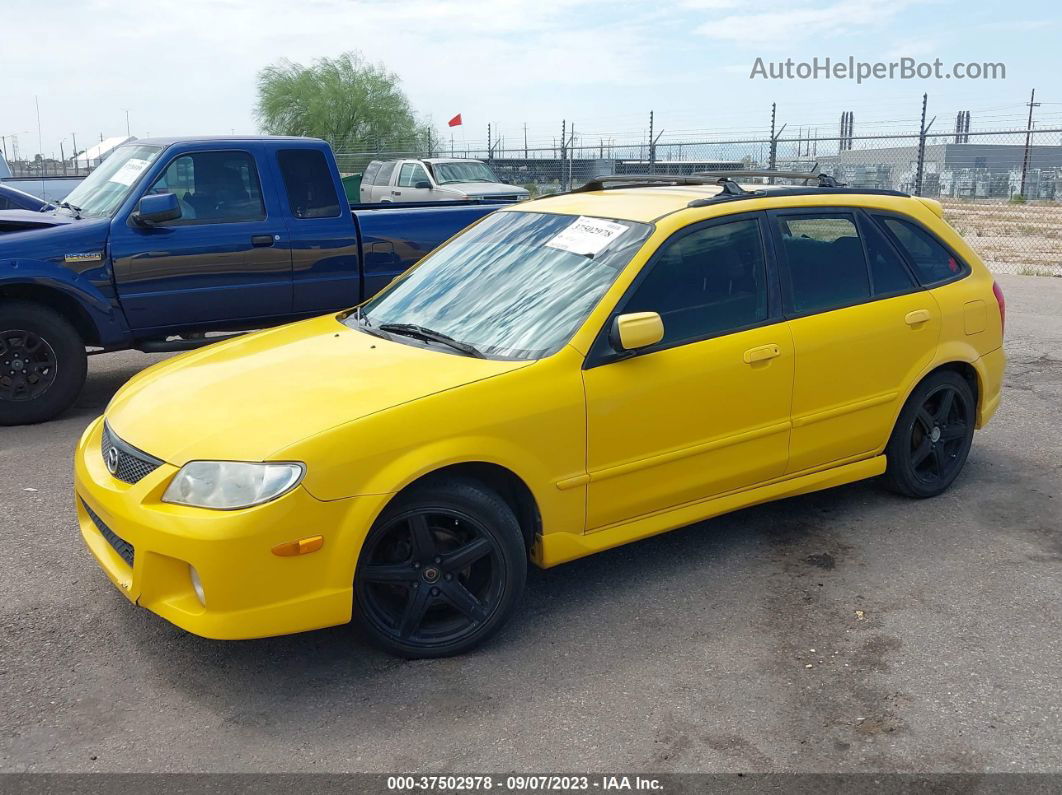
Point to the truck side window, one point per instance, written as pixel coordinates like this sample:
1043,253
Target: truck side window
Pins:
411,174
311,191
383,176
213,187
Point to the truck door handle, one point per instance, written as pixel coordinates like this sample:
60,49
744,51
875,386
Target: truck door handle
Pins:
396,193
260,241
762,353
916,317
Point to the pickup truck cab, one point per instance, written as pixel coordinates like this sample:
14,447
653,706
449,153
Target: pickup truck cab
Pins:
178,237
435,179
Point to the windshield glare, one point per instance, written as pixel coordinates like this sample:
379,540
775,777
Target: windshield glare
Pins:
105,189
447,173
517,285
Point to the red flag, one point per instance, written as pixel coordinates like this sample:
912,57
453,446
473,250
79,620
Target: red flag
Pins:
455,121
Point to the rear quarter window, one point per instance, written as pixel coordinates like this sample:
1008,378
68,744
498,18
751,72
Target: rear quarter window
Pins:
933,262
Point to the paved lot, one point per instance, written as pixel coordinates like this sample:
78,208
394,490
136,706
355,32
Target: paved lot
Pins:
846,630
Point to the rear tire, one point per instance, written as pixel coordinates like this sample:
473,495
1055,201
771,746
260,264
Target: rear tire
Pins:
42,363
932,437
441,570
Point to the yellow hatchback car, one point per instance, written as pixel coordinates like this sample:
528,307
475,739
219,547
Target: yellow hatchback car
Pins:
565,376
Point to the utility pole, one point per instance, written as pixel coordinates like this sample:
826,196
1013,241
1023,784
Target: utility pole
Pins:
1028,141
490,147
73,136
127,133
525,140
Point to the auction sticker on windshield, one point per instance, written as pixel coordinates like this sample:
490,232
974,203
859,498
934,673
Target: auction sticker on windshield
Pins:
587,236
129,171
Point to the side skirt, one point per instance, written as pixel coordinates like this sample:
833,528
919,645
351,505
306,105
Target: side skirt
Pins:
553,548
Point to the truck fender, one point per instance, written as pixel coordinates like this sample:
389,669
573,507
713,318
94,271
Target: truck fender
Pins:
98,319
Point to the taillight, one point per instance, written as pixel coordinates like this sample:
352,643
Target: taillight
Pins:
998,293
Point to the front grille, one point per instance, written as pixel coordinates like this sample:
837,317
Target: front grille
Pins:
121,546
126,463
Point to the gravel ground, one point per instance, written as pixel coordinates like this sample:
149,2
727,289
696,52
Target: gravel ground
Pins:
849,630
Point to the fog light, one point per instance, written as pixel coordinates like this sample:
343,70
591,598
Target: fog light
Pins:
197,585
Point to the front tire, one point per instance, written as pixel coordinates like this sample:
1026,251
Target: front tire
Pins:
42,363
932,437
440,571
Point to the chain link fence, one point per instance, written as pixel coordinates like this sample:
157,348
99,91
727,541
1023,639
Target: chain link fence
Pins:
1002,190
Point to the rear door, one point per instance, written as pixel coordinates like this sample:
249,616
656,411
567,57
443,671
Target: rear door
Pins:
324,241
227,257
381,191
862,328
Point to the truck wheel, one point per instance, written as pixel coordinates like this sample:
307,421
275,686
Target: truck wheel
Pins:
42,363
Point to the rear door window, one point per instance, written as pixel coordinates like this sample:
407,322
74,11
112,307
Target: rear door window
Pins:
370,172
888,273
308,181
825,265
931,260
383,176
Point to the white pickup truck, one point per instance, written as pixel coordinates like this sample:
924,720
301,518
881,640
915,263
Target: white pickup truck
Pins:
434,179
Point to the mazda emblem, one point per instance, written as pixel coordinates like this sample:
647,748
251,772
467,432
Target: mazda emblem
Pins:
112,460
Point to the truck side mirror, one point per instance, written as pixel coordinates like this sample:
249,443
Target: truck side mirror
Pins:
157,208
423,184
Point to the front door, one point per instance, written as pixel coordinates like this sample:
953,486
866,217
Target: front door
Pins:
706,410
862,328
411,181
225,259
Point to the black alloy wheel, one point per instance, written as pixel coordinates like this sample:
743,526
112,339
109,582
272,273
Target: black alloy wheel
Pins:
42,362
28,365
932,438
441,571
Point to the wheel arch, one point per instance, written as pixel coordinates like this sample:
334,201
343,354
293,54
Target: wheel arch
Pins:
968,370
503,481
58,300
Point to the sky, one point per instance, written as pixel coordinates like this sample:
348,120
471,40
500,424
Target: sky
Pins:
184,67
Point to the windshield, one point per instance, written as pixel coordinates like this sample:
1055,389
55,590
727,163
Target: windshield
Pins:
516,285
105,189
447,173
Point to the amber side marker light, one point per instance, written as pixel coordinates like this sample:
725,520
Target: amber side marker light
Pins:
303,546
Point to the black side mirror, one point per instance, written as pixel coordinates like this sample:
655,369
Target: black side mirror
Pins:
157,208
424,184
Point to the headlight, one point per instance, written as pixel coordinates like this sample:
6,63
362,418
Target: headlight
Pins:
227,485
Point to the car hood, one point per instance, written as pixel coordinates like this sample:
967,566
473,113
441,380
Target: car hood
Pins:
247,398
21,220
485,188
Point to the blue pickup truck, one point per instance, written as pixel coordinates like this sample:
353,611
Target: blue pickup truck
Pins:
171,239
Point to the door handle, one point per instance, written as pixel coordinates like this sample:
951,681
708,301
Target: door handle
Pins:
762,353
396,193
260,241
916,317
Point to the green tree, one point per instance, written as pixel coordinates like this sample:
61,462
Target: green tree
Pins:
345,100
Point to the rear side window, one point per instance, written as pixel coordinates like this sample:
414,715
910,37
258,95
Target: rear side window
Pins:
707,282
826,268
411,174
311,191
888,274
931,260
383,176
370,172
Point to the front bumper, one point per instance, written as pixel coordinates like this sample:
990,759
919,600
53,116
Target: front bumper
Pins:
146,547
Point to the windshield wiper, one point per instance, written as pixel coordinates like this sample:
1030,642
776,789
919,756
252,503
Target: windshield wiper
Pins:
420,332
75,210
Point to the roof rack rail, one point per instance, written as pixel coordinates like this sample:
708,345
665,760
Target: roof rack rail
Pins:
824,180
645,180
